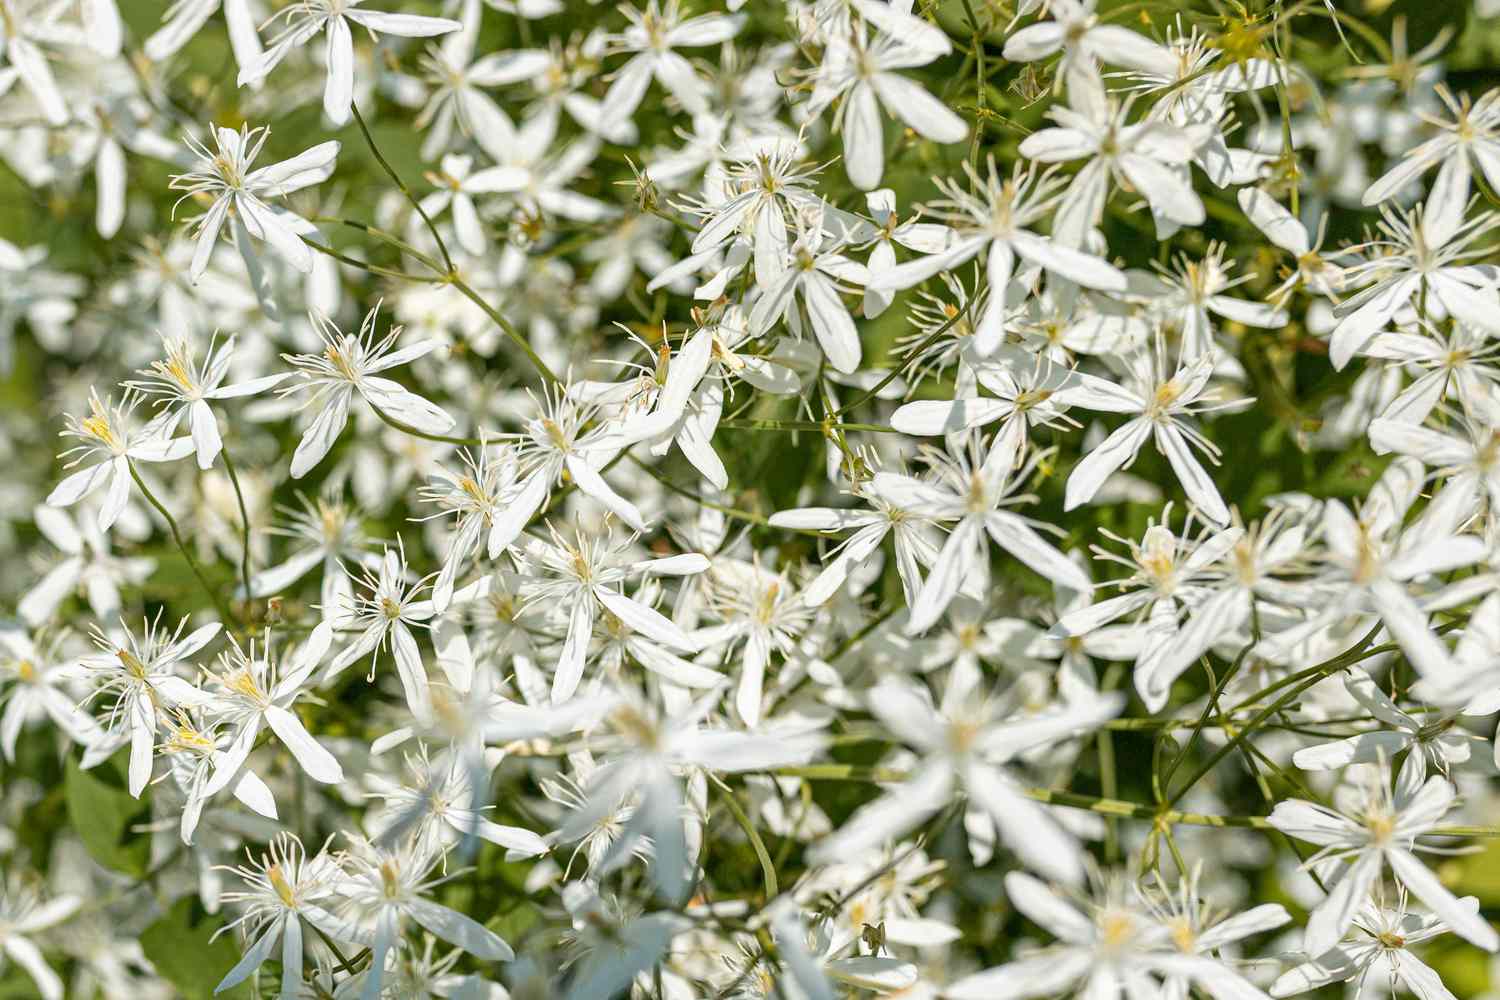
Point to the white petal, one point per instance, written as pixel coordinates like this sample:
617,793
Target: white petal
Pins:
1195,481
647,621
1465,921
319,764
1112,454
1335,914
321,434
864,152
457,929
831,323
927,116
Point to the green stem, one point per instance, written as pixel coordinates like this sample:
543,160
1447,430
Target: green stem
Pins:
1212,705
448,273
192,562
767,868
505,325
338,955
931,339
825,427
239,496
396,178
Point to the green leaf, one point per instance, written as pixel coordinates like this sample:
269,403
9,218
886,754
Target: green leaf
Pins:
103,813
179,946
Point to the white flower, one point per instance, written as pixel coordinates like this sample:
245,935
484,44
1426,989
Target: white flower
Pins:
1472,684
652,36
974,490
1458,363
1372,562
1471,140
526,168
186,388
106,434
1167,573
1104,948
762,187
567,438
139,679
651,753
1199,933
195,750
813,957
1468,462
915,542
1030,391
440,803
457,182
1315,271
22,915
251,691
1163,404
348,366
282,889
860,69
385,889
386,618
183,18
966,742
42,684
27,27
996,219
238,196
477,495
1372,833
1379,950
312,17
39,295
581,582
1427,741
330,535
1418,253
87,567
1150,157
1085,42
813,274
762,608
923,237
457,97
616,948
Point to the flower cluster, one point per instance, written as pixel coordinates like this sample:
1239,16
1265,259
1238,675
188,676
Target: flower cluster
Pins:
787,499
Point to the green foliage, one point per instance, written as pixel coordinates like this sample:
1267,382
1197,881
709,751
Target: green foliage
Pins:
182,947
103,814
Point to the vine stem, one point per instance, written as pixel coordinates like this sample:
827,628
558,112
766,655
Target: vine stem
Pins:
767,868
396,178
916,352
448,272
239,496
338,955
826,426
213,594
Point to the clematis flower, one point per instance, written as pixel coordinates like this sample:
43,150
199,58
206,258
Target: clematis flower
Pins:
138,678
1376,830
106,433
308,20
185,389
349,366
285,889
